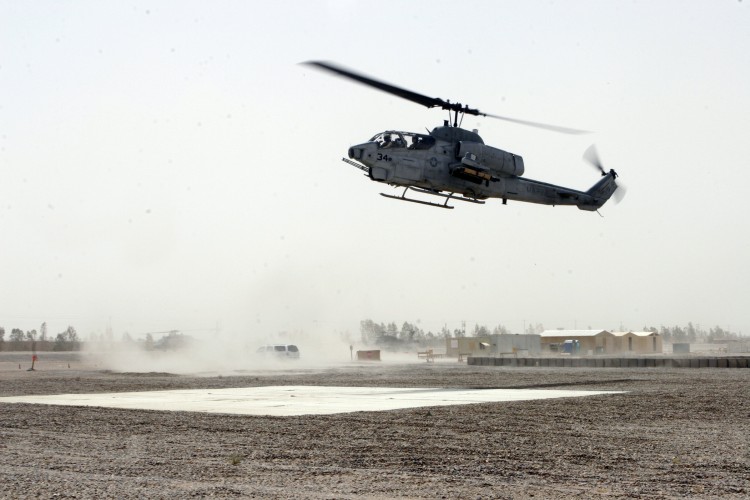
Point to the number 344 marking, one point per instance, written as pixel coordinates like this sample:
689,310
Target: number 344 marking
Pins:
382,157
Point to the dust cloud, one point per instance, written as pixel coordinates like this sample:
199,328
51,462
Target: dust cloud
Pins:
225,355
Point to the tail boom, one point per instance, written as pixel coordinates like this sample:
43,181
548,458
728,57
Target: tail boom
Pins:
600,192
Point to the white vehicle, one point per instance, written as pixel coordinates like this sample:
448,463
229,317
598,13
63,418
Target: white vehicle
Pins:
289,351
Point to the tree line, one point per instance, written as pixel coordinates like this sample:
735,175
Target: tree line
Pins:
390,334
372,333
31,340
693,333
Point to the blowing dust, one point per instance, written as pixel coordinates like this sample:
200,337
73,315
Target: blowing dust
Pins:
228,355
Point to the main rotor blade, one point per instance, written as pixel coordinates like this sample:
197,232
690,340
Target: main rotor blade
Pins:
430,102
545,126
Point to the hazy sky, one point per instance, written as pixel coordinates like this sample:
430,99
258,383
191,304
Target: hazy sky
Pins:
169,165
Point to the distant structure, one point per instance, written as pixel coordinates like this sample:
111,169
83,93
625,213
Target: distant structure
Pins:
590,341
494,345
603,341
638,343
738,346
371,355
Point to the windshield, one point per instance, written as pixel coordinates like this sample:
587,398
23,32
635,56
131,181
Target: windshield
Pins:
408,140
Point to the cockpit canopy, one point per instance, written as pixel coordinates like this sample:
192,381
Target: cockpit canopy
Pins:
408,140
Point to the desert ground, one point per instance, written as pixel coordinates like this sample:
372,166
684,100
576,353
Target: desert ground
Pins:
675,433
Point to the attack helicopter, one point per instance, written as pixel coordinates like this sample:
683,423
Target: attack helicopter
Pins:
455,164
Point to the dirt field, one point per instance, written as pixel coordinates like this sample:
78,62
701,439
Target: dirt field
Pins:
676,433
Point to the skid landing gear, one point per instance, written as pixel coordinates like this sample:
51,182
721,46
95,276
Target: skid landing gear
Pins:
447,197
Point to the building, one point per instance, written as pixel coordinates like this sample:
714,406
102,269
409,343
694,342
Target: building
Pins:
467,346
590,341
638,343
738,346
603,341
494,345
515,344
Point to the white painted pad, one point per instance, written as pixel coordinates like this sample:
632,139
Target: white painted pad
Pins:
296,400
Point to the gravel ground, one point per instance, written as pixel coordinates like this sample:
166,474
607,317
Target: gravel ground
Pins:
676,433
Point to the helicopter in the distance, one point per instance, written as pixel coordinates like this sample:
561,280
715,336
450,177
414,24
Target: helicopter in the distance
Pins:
450,161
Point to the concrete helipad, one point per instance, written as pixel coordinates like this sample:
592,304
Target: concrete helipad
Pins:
297,399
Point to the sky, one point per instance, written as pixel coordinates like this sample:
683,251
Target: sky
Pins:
171,166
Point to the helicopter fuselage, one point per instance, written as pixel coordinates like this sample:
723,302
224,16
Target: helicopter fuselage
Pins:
455,160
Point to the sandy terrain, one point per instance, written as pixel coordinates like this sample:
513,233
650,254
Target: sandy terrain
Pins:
676,433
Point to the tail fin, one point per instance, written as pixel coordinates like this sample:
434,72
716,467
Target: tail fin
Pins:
600,192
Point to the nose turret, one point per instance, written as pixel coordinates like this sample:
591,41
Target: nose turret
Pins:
362,152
